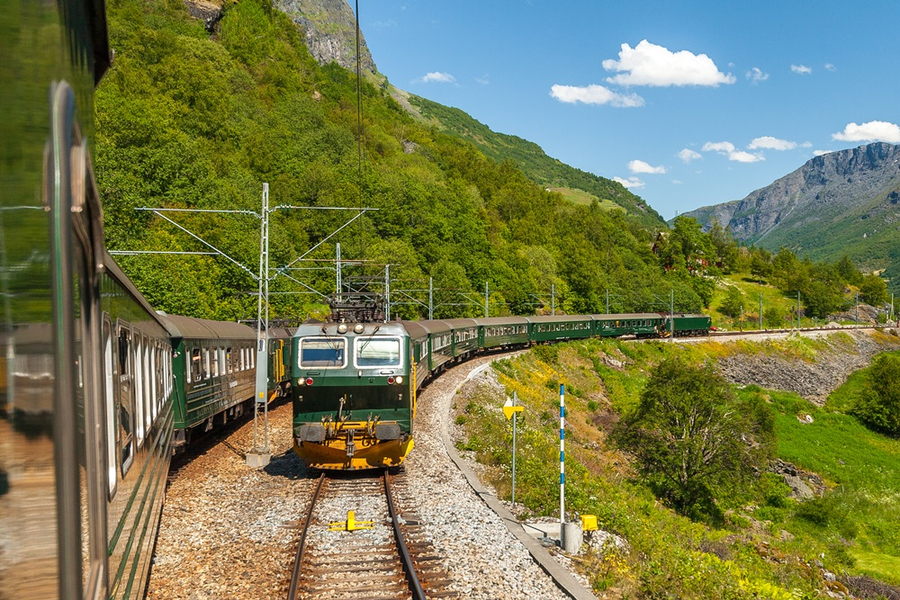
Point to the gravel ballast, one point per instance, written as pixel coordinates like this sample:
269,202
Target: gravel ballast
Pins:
229,531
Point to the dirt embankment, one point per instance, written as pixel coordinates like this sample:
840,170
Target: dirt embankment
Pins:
811,377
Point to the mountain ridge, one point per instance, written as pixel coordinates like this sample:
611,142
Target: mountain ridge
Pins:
843,202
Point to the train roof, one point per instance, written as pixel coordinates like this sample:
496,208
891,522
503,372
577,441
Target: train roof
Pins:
620,316
501,321
557,318
194,328
435,326
461,323
281,333
116,272
316,327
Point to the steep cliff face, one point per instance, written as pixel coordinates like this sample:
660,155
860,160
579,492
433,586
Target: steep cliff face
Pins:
330,28
835,199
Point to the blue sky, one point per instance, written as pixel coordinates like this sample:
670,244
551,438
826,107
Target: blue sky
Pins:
687,103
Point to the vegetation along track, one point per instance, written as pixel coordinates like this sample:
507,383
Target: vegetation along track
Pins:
355,544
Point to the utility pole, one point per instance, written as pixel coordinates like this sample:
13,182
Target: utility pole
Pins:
671,312
760,311
260,455
430,298
798,310
387,293
338,283
857,309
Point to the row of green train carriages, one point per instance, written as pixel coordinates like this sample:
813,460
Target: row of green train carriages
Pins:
354,385
214,371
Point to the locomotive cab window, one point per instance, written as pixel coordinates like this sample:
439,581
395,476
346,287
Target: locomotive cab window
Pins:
378,352
326,353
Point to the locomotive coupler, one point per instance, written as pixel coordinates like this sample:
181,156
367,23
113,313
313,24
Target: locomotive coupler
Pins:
350,445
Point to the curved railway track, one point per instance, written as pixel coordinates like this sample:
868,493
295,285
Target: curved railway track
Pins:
371,553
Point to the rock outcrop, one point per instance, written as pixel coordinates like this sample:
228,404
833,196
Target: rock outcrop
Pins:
811,379
330,27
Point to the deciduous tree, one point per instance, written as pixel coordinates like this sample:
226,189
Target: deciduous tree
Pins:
691,437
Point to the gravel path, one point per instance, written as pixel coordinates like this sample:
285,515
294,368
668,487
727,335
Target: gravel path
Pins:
229,531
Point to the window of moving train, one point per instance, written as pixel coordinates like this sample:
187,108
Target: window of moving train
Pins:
380,352
323,353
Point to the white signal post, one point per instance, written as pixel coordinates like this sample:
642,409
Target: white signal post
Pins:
562,458
510,408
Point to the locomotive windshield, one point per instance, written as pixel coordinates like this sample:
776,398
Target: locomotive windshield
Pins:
377,352
323,353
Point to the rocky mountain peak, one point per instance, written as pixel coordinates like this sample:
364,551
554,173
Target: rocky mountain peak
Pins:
330,27
853,184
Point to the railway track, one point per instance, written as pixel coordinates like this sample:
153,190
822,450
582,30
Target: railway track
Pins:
355,544
802,330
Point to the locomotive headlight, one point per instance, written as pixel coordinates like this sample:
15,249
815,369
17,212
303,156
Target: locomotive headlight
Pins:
342,328
358,328
399,379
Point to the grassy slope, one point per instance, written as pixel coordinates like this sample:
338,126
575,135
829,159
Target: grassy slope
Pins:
532,160
769,541
752,289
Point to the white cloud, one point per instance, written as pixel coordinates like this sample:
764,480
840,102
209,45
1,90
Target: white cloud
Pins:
687,155
483,80
745,157
649,64
801,69
639,166
438,77
728,149
768,142
822,152
594,94
631,182
830,67
723,147
755,75
873,131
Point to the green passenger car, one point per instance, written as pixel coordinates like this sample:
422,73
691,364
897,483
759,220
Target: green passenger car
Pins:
689,325
497,332
213,363
637,324
559,328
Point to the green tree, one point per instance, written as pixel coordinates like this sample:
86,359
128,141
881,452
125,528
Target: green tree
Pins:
873,290
692,438
880,409
733,303
773,317
848,272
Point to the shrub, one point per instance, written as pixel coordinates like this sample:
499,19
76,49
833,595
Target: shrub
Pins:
880,409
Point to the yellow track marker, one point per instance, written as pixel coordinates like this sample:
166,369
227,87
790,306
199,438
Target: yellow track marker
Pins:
351,524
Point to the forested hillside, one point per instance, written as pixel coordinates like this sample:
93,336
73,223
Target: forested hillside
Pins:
534,162
189,119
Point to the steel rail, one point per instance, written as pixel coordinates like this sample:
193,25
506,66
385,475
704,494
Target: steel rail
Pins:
414,585
295,577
